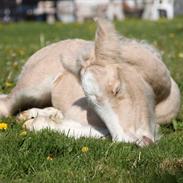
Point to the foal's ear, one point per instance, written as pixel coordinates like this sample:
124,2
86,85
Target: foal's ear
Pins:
107,43
74,65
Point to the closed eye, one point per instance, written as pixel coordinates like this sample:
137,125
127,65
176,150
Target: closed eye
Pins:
118,89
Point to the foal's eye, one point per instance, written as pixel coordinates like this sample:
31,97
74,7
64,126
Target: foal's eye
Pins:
118,89
114,87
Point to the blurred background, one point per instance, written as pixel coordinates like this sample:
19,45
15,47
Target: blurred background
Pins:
80,10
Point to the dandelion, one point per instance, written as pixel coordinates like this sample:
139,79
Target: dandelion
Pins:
50,158
155,43
23,133
180,55
21,51
84,149
3,126
8,84
171,35
15,64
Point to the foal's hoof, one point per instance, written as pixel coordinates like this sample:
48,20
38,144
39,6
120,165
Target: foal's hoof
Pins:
28,125
23,116
41,122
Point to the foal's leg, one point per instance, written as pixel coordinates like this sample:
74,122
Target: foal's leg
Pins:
28,93
49,112
68,127
33,88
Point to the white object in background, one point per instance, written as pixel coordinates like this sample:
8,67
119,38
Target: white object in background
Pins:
39,10
65,11
46,7
153,7
89,8
115,10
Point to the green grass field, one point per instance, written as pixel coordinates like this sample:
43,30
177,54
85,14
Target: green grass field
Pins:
48,157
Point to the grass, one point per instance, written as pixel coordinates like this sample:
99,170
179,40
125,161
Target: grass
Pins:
50,157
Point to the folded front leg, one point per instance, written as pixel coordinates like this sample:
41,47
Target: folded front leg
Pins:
67,127
49,112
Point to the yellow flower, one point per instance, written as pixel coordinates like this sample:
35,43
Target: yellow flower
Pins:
50,158
23,133
180,55
3,126
84,149
172,35
8,84
21,52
